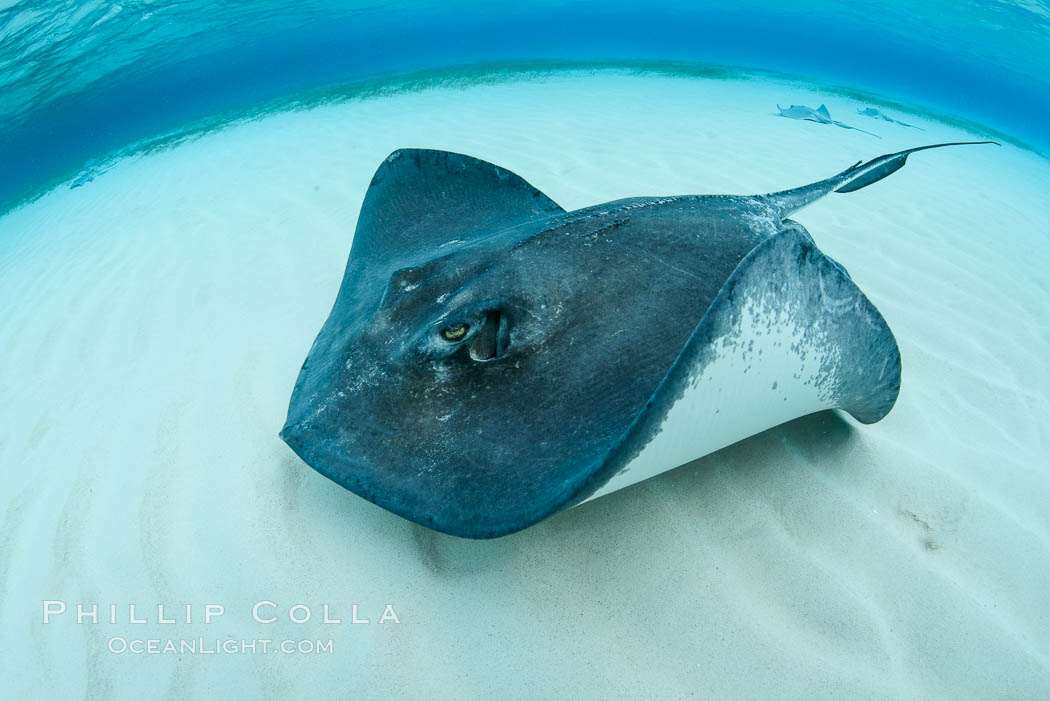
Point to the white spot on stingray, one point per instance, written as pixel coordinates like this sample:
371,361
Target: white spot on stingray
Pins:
761,223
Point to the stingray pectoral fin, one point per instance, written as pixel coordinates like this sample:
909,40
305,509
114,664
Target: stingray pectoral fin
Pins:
788,334
422,198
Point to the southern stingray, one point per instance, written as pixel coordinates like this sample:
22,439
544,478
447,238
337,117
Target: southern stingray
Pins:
492,359
876,114
819,115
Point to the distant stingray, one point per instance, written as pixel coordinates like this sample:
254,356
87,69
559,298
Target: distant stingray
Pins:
819,115
876,114
492,359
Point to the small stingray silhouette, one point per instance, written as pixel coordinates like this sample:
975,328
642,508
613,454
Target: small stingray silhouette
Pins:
819,115
876,114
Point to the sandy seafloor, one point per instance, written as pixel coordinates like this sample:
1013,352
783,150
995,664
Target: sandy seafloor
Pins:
154,320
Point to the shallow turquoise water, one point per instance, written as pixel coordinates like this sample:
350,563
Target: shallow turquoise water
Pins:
80,79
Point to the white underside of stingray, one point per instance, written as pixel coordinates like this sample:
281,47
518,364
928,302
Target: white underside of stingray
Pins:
761,377
789,334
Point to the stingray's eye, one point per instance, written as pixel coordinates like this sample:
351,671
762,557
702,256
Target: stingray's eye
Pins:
455,333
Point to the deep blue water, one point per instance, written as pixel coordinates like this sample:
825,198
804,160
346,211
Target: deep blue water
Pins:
79,79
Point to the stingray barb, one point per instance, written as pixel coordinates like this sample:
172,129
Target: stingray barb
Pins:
492,359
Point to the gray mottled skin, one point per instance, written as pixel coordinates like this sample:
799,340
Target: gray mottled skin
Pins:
581,326
819,115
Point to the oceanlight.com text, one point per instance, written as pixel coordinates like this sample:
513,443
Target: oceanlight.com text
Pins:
203,646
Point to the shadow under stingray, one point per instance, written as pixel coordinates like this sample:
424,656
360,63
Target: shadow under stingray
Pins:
584,534
823,437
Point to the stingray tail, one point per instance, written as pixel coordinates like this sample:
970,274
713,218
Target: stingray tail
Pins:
853,178
846,126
